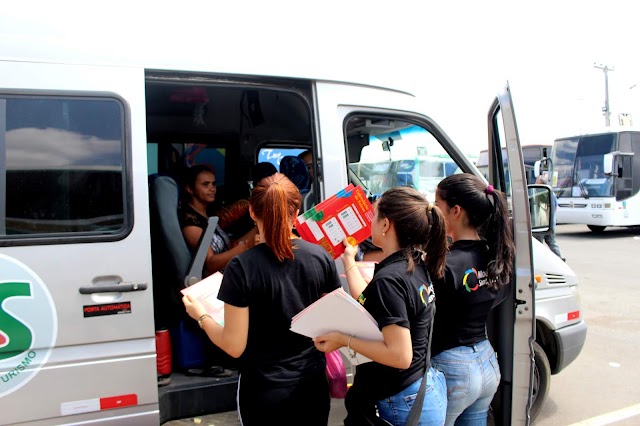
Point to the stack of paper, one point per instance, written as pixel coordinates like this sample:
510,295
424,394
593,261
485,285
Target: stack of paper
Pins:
345,215
206,291
338,311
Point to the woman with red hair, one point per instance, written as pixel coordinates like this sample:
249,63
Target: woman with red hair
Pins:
282,375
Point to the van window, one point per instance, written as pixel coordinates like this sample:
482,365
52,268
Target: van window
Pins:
384,153
61,166
273,155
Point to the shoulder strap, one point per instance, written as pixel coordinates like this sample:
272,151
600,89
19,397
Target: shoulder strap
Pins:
416,409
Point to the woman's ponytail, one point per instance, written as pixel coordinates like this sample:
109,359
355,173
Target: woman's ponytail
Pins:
499,236
436,246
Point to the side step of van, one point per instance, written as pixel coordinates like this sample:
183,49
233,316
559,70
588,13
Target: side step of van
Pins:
189,396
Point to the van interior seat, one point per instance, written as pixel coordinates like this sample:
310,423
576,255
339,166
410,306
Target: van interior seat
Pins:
174,265
296,170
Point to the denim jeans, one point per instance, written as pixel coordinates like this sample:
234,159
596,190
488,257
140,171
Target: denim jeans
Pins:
396,408
472,375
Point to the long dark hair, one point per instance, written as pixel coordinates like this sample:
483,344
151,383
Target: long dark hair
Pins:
276,200
419,225
488,212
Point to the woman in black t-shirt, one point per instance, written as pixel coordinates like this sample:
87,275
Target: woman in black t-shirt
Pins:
282,375
200,188
478,265
411,233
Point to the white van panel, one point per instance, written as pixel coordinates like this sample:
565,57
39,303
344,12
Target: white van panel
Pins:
335,101
101,356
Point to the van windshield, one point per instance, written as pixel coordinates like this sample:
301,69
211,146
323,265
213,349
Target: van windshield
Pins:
408,156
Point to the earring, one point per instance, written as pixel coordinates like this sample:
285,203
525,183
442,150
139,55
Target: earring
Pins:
384,233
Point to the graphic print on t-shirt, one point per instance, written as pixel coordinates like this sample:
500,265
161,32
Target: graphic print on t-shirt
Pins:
474,279
429,291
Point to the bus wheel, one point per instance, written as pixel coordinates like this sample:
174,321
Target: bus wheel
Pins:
541,380
596,228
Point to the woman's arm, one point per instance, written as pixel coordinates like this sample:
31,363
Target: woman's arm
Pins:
213,262
394,351
232,338
356,281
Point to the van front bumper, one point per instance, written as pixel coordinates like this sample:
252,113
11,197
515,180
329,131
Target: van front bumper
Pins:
570,341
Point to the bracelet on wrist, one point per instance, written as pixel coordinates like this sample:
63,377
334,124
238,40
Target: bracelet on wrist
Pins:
201,319
352,353
350,267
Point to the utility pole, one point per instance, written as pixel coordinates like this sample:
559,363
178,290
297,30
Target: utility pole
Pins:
605,110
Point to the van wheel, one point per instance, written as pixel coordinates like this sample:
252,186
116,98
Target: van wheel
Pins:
596,228
541,380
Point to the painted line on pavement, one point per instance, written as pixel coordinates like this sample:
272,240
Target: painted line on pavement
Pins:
612,417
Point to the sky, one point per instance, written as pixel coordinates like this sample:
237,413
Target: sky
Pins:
453,55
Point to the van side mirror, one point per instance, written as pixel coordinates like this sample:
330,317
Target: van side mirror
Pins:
542,206
608,164
536,168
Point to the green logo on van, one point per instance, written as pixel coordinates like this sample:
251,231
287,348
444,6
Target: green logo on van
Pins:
28,324
15,337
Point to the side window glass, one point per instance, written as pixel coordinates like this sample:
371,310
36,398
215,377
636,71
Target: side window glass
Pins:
61,166
387,152
501,160
273,155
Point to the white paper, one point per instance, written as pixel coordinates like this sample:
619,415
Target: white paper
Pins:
337,311
206,291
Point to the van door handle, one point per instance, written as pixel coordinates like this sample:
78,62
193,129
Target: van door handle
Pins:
113,288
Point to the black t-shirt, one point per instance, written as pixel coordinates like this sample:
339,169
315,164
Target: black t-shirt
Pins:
188,216
396,296
464,298
275,292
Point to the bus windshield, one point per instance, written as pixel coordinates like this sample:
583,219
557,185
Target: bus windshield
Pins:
578,166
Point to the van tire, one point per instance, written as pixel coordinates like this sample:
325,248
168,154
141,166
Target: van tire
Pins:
541,380
596,228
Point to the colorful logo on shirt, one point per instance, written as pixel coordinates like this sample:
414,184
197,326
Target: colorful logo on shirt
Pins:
466,276
361,299
429,292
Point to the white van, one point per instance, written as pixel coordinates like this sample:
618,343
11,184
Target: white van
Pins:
92,258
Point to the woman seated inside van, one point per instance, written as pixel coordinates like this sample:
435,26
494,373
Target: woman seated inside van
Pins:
200,193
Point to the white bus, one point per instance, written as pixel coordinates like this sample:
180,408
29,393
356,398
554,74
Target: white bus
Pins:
91,254
596,178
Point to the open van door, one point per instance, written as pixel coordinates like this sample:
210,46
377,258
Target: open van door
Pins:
515,352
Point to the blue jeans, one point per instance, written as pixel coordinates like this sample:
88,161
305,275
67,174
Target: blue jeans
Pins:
472,375
396,408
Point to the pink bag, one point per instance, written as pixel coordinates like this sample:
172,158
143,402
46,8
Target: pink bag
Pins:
336,374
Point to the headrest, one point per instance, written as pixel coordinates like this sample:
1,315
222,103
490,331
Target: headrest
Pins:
296,170
261,171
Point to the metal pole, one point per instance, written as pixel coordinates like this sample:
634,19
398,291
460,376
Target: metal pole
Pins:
605,110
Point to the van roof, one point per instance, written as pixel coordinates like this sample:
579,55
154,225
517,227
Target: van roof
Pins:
177,48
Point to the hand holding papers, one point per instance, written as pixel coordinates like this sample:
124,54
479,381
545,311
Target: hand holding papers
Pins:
337,311
347,214
206,292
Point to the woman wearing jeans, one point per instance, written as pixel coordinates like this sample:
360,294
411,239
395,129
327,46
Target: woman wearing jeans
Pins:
411,233
478,265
